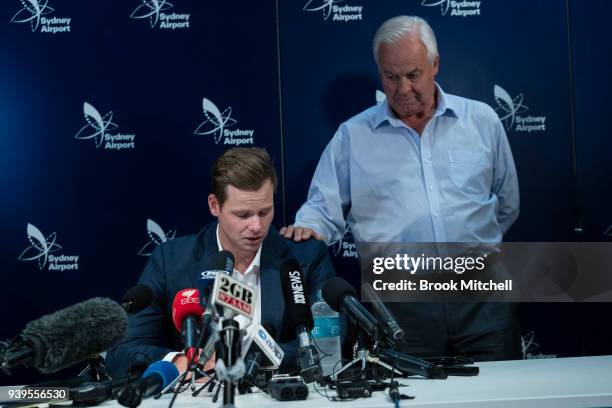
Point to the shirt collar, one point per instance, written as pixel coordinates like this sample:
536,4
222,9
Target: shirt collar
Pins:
385,114
253,266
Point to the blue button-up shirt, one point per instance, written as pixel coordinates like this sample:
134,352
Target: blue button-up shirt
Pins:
454,183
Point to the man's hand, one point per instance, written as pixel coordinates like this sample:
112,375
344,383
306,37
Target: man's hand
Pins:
300,233
180,361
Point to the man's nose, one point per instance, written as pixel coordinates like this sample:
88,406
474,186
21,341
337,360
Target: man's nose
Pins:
255,224
405,85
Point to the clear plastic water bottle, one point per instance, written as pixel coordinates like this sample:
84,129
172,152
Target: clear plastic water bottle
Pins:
326,334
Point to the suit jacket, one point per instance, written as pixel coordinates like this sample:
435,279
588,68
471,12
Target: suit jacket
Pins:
173,266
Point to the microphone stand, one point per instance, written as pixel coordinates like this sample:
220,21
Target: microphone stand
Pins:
364,357
229,365
95,370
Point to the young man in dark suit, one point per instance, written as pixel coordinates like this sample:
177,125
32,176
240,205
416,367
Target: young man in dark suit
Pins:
243,182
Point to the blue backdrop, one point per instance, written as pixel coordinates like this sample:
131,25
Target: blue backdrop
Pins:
113,111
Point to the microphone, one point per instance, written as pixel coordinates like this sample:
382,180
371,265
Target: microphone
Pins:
341,296
234,297
186,315
413,365
155,378
219,262
263,353
300,316
389,325
137,298
68,336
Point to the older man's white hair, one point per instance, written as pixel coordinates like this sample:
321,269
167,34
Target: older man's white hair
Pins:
399,27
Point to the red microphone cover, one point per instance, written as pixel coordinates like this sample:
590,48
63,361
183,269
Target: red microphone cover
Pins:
186,303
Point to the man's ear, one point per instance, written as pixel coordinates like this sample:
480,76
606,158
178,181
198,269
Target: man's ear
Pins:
213,205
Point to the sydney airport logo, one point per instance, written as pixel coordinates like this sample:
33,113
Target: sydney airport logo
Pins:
511,110
157,236
216,123
36,12
98,128
345,248
462,8
331,8
43,249
528,346
156,12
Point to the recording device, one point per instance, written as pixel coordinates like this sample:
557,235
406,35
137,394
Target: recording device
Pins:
354,389
263,354
286,388
300,316
389,325
154,379
137,298
342,297
186,315
68,336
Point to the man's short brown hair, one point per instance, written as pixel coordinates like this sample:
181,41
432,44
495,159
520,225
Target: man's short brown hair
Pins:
246,168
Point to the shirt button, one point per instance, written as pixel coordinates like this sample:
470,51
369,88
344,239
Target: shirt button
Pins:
435,214
430,188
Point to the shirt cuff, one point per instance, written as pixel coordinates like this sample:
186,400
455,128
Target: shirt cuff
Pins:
172,355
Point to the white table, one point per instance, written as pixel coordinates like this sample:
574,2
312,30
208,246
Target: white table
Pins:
558,383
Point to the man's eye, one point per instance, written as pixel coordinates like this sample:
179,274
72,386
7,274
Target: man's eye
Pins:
243,216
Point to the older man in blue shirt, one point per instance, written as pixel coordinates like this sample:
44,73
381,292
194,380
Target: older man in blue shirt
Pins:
422,166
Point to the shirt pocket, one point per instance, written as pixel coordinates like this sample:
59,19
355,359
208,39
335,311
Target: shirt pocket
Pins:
470,172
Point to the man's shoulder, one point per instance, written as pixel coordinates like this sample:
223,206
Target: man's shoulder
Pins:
470,107
305,250
179,247
363,118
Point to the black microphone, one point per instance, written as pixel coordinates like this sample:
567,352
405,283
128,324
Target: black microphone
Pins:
219,262
342,297
389,325
68,336
300,316
155,378
263,353
137,298
413,365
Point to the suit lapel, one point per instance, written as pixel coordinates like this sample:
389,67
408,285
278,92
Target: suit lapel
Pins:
273,253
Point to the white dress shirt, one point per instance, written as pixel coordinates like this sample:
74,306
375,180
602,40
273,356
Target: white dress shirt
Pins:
251,278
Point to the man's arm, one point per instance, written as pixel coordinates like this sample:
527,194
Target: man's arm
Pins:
146,340
505,180
323,215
